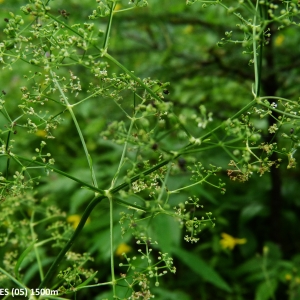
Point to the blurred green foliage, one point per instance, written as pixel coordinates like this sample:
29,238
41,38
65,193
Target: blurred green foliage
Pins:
175,43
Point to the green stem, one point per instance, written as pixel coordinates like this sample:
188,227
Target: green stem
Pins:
239,16
279,111
8,157
43,242
58,259
5,114
88,157
101,192
12,278
125,9
123,154
251,152
277,98
200,149
186,187
69,107
111,237
256,74
164,184
228,152
105,44
129,205
38,259
85,99
93,188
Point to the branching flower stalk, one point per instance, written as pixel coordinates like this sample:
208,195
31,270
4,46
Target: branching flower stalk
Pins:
100,195
55,44
138,80
96,200
191,185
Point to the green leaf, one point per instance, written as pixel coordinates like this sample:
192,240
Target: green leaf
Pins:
87,281
251,211
201,268
22,257
266,290
161,293
166,232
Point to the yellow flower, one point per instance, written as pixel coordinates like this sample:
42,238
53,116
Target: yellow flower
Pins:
230,242
41,133
288,277
279,40
5,223
122,248
188,29
74,220
118,7
265,250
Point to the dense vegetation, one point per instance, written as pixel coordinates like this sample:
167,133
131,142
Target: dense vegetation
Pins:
150,149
